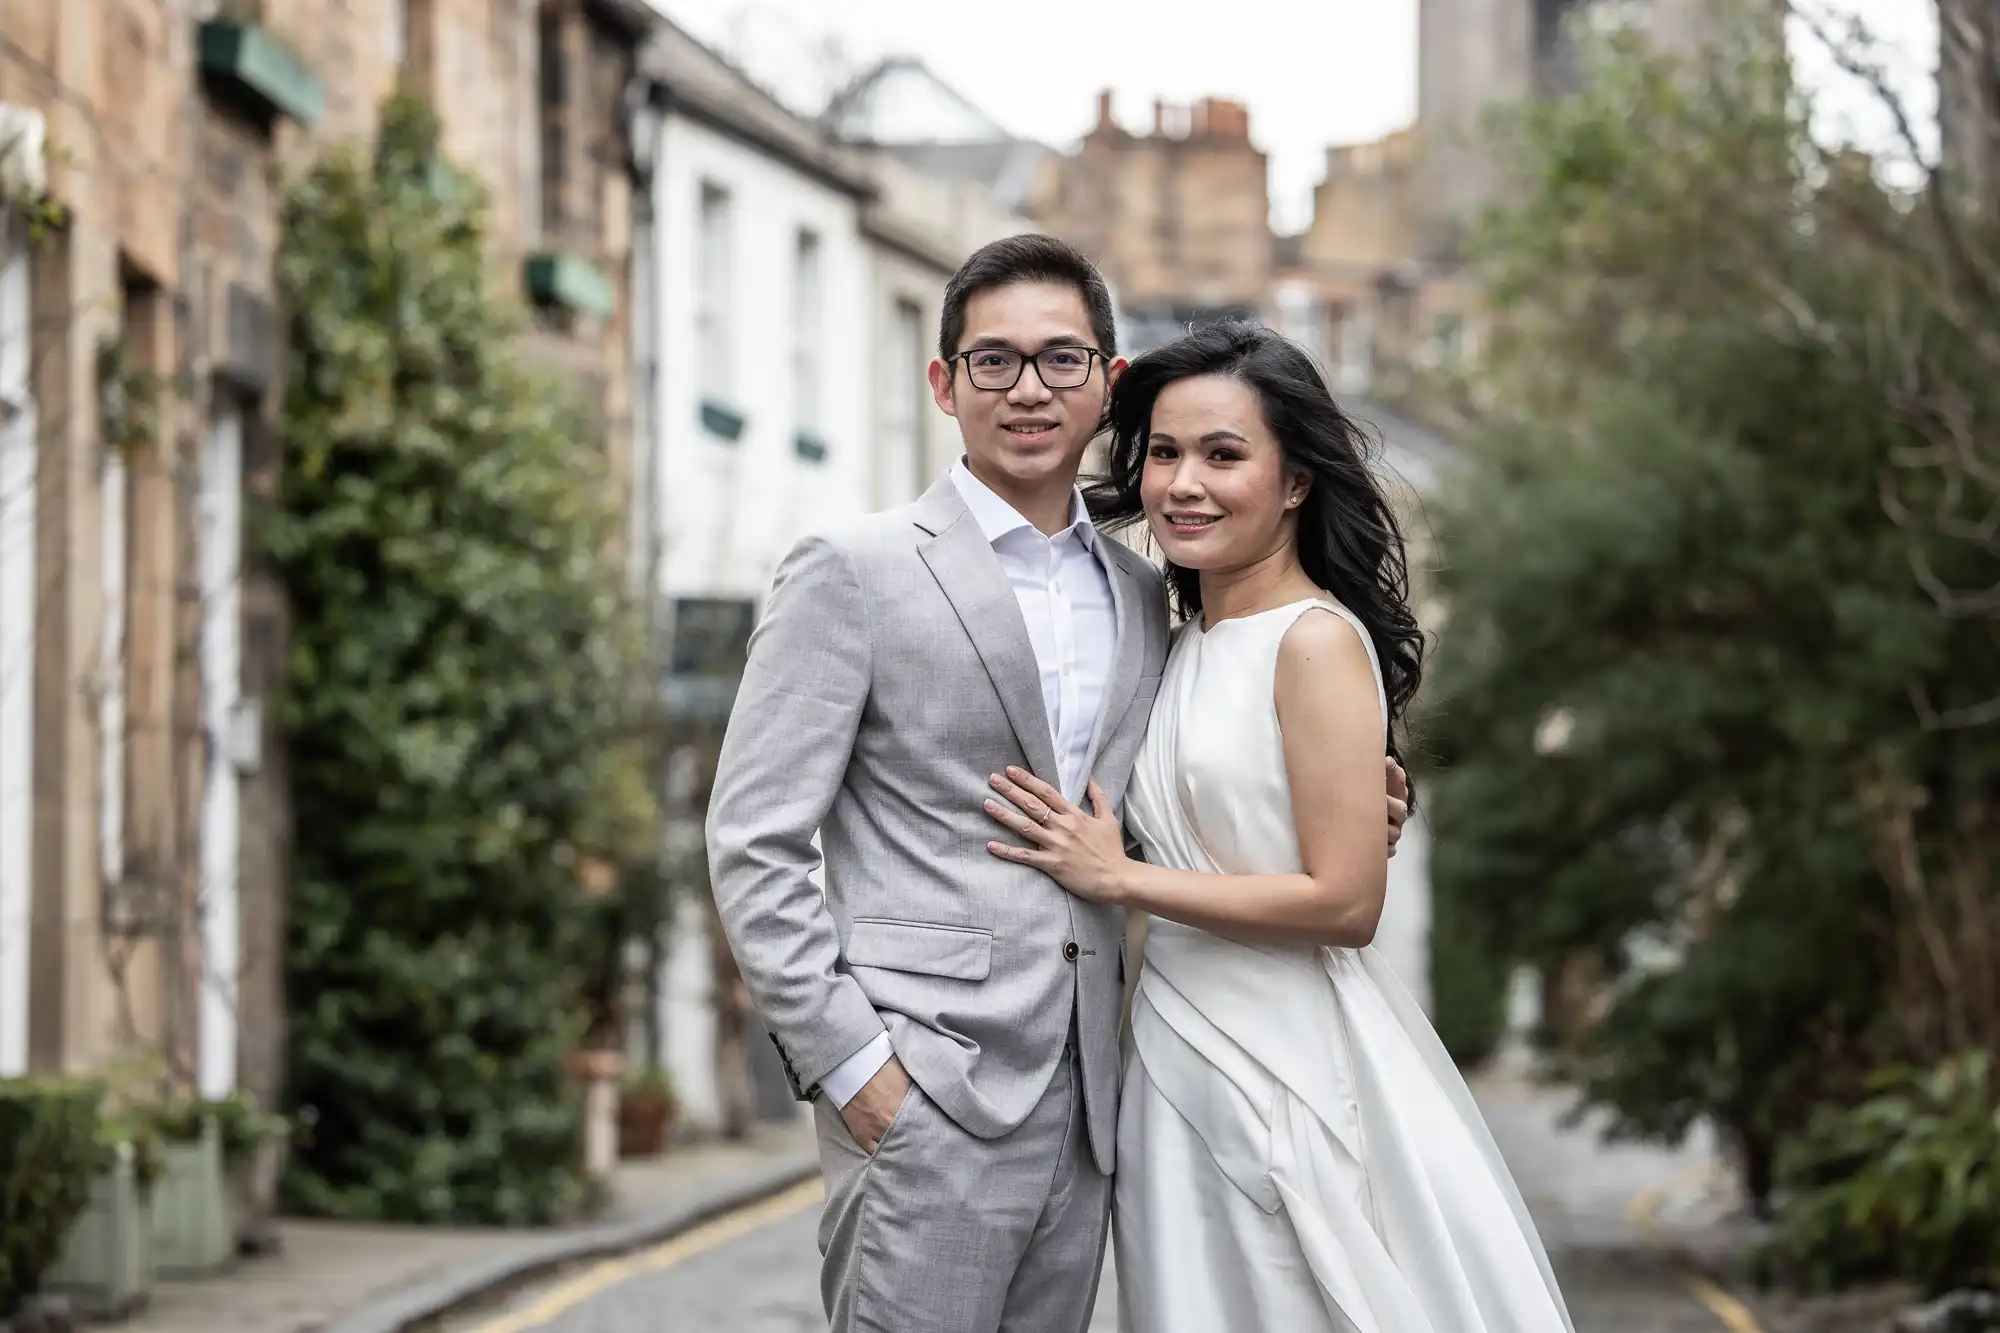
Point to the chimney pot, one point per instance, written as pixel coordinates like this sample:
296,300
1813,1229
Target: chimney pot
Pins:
1104,109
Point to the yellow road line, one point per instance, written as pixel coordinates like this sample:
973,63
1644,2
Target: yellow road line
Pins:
1643,1213
603,1276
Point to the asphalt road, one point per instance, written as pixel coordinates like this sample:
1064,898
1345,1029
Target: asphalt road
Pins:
766,1281
761,1276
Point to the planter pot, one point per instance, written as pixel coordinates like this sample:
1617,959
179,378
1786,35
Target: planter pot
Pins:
194,1224
645,1121
107,1266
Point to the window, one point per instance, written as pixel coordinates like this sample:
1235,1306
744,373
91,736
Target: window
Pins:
711,636
904,469
714,260
1353,332
711,643
808,351
1299,316
398,33
1447,342
553,91
17,645
1555,53
219,553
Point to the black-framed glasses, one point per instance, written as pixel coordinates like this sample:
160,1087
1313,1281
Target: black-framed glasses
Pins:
999,368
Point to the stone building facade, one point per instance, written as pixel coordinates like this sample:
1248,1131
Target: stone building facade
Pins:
1969,101
1178,217
1474,54
153,903
1354,285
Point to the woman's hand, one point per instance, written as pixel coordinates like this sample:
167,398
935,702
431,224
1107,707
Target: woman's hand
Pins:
1083,852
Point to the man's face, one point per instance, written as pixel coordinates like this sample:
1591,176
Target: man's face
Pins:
1030,434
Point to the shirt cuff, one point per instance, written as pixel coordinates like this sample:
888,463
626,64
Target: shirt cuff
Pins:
851,1075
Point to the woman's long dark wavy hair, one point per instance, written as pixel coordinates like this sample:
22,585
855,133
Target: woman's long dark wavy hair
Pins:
1348,538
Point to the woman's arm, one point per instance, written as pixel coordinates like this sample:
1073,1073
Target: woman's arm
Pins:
1333,742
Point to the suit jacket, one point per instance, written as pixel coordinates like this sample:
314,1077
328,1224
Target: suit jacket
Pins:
890,674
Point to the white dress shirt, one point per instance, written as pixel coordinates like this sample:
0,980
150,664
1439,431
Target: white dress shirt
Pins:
1064,591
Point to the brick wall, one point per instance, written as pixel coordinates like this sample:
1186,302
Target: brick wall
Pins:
1178,217
173,189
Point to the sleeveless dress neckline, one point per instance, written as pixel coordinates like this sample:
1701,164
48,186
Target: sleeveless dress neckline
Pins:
1204,629
1296,1150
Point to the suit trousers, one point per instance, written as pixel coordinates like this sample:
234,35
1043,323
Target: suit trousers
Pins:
941,1231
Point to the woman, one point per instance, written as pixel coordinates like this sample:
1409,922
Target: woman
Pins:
1295,1149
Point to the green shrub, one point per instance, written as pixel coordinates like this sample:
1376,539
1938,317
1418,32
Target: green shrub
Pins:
49,1152
650,1079
134,1130
459,671
1906,1184
1469,974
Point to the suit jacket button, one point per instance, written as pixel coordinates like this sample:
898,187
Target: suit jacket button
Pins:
1070,951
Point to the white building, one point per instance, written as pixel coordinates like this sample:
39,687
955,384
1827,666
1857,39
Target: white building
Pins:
793,289
762,297
918,228
760,422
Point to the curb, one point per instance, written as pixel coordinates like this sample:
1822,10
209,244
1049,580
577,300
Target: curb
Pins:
399,1311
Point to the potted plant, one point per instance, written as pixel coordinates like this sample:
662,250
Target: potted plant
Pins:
106,1266
50,1152
247,1132
194,1223
646,1113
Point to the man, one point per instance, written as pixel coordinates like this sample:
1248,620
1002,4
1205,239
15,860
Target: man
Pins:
953,1017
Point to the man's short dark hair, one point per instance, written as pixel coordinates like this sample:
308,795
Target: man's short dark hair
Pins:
1029,257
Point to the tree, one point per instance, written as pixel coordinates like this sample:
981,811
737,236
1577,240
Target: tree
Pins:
457,711
1691,677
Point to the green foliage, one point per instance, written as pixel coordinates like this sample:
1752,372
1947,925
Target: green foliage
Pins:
239,1122
49,1153
648,1080
459,675
1906,1184
1469,981
1684,636
130,1131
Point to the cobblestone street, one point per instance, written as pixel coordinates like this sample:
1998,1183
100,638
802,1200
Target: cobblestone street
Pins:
1582,1193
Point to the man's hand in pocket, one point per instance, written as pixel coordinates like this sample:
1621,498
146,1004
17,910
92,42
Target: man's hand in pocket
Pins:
868,1115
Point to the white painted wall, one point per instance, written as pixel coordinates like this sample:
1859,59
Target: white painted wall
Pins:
914,442
919,443
731,509
220,555
17,646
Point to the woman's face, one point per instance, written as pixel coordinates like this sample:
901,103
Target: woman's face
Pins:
1216,489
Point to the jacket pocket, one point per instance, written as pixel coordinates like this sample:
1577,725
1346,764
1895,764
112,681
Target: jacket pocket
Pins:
961,952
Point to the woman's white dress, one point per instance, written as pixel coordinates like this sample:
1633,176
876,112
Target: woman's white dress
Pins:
1296,1151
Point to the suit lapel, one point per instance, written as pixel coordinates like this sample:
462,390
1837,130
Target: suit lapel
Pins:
1128,655
970,575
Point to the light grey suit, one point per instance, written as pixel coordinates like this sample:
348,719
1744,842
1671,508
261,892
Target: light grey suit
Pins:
891,673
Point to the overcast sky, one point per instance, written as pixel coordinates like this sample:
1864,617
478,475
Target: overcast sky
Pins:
1313,73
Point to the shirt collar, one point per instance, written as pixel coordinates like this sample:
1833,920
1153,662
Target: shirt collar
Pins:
996,518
